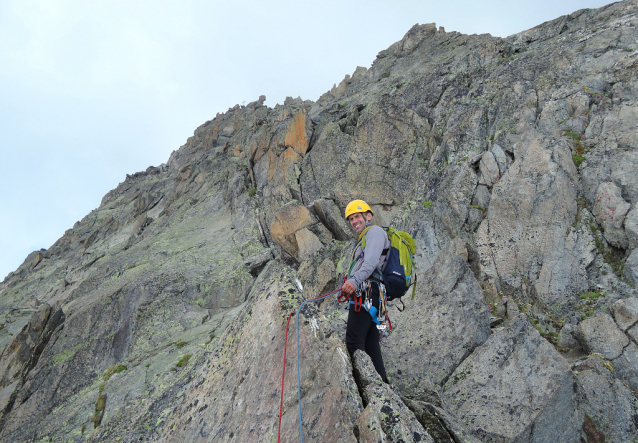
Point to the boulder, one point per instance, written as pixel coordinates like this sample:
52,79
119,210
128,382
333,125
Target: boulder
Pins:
515,388
307,243
601,335
287,221
333,219
610,210
501,158
490,169
318,273
626,366
611,164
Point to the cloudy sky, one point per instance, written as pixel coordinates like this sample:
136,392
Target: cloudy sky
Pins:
93,90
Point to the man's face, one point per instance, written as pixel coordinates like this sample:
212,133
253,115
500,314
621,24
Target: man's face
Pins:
358,221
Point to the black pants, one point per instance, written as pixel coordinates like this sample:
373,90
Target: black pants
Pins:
362,333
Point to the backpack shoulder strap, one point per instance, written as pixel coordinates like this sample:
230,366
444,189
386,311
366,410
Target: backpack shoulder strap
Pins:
361,240
362,237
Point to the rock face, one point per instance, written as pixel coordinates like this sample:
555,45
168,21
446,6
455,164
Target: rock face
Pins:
437,332
163,314
509,366
385,416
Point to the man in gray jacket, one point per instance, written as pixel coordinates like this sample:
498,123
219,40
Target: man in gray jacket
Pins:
370,254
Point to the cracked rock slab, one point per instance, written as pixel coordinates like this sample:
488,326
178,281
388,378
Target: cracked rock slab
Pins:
610,210
601,335
526,230
490,169
386,417
514,387
625,312
437,330
626,366
607,401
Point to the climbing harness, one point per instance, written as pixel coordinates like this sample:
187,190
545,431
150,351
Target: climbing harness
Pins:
363,298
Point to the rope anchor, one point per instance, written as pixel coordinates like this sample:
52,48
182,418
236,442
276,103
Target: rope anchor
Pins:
298,367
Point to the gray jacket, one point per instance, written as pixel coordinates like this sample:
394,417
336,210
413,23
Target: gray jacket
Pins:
369,258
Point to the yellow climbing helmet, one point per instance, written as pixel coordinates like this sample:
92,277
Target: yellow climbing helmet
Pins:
357,206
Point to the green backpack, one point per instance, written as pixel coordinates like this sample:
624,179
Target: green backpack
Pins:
398,274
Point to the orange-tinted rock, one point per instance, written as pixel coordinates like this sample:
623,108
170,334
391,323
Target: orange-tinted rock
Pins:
259,145
296,137
289,220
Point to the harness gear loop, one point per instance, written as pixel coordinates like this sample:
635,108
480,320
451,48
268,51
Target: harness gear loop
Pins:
357,309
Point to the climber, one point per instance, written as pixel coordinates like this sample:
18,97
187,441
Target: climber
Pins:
361,330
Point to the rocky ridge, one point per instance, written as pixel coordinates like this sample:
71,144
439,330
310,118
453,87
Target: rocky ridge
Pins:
161,315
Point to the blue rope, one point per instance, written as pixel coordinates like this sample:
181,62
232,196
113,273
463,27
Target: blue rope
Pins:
298,371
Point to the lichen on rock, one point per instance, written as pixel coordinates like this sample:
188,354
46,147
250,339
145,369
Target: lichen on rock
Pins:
522,326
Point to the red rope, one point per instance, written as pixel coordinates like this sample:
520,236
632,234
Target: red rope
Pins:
342,298
283,375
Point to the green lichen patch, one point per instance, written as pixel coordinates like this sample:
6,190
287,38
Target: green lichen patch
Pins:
578,160
66,355
100,408
578,146
614,257
184,360
114,369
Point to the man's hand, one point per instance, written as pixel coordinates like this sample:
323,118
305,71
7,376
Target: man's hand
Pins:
348,289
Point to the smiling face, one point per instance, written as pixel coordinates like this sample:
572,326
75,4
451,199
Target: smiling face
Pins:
358,221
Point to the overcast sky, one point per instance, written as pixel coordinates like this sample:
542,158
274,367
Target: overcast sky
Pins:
93,90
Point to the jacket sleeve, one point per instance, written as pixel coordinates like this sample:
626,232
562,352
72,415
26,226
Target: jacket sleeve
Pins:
375,242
